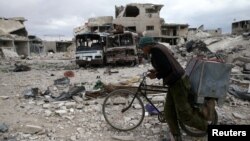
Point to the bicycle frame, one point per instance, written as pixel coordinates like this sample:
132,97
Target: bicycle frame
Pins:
142,90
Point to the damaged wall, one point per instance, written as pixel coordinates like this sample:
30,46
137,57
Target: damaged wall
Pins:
95,24
214,32
132,15
6,43
171,33
36,45
13,26
57,46
50,46
14,35
100,24
240,27
202,33
22,47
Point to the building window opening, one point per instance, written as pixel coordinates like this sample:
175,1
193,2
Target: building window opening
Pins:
150,27
131,11
131,28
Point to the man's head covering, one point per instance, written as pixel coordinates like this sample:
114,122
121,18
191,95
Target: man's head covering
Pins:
146,41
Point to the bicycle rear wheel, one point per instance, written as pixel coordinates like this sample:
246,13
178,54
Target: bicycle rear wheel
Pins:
195,132
115,114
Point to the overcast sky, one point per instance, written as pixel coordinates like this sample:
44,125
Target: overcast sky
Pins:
59,17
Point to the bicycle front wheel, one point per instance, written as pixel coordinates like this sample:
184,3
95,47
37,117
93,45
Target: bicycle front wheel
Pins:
123,110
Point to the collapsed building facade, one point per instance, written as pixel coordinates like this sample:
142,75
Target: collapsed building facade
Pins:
145,19
96,24
57,46
14,37
202,33
240,27
36,44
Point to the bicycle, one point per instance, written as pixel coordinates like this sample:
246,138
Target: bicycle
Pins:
124,110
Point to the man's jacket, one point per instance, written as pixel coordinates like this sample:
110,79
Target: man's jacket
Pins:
165,64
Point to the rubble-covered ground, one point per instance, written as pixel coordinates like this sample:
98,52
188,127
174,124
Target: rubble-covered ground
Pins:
41,118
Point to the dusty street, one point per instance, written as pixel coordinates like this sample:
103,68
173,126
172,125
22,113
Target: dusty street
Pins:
35,119
59,60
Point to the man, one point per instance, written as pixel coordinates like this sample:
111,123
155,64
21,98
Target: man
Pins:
176,106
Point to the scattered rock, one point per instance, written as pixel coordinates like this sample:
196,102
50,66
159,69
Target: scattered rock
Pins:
78,99
4,97
47,113
21,67
3,127
31,129
239,116
61,112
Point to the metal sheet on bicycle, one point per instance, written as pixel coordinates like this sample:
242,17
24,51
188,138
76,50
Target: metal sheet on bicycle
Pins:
208,79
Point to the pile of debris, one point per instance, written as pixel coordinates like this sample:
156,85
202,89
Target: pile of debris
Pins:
7,54
230,49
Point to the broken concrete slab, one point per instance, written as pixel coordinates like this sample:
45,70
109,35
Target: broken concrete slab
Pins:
8,54
240,116
21,68
31,129
4,97
30,93
61,112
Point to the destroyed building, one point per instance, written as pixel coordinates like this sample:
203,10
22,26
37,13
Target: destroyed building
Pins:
36,45
57,46
240,27
14,36
201,33
132,15
143,19
171,33
100,24
214,32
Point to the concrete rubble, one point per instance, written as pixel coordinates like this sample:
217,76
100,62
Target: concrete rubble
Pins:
80,117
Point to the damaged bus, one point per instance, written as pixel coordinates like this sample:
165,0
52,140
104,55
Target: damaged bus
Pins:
121,49
89,49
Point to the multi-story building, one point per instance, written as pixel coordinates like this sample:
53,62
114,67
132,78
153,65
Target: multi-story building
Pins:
240,27
143,19
14,36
